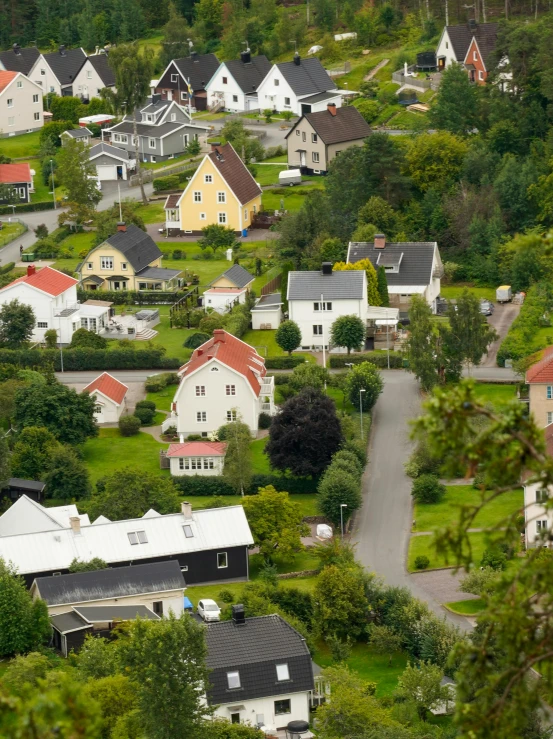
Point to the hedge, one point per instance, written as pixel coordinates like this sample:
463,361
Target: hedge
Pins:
89,359
129,297
7,268
199,485
283,362
171,182
27,207
380,359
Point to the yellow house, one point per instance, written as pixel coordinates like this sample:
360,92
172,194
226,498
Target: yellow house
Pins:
222,191
128,260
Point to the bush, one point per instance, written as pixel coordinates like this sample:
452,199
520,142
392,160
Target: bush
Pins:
494,558
338,361
421,461
131,297
171,182
7,268
227,596
337,487
129,425
149,404
421,562
216,486
264,421
356,447
145,415
283,362
427,489
76,360
210,322
154,385
350,458
82,338
27,207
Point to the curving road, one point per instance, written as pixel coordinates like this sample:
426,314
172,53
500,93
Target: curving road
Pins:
382,526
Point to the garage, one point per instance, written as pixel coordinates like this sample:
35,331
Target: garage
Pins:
106,172
111,163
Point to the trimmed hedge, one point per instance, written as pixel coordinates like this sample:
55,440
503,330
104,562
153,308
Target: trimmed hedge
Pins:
337,361
283,362
171,182
27,207
129,297
199,485
7,268
89,359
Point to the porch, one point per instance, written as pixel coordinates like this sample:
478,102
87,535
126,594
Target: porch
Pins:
137,326
267,396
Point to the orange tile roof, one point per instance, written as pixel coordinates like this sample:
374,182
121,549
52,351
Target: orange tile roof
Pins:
108,386
14,172
542,371
46,279
233,353
197,449
6,78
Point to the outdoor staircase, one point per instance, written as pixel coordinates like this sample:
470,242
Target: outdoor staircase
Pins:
146,334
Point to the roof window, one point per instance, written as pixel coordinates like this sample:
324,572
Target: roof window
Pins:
233,680
188,531
283,672
137,537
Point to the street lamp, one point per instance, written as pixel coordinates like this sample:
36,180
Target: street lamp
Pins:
58,315
53,183
361,409
342,506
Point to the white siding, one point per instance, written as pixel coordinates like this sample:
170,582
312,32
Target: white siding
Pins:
217,91
299,705
273,96
445,49
88,82
303,313
48,81
222,301
271,317
218,464
534,512
20,116
109,411
45,307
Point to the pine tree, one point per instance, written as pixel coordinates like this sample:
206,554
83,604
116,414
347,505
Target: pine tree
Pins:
382,285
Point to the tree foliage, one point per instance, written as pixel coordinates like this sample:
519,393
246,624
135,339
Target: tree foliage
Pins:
288,336
348,331
456,107
341,605
129,493
364,384
238,463
17,322
309,375
67,476
76,170
32,452
373,296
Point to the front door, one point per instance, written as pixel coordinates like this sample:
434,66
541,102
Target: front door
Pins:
169,94
302,159
120,173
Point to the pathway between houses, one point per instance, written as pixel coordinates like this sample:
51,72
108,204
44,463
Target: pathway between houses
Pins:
374,70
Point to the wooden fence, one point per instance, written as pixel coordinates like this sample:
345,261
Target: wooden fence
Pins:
272,285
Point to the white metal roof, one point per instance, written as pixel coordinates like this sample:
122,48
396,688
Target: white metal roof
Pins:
26,516
55,549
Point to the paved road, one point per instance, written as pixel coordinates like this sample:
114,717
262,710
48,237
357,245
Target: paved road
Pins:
383,524
501,320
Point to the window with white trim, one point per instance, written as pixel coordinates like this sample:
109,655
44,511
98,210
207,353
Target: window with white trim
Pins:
124,266
231,415
137,537
541,526
152,143
42,324
10,102
314,138
174,78
282,707
549,417
222,218
120,138
317,329
221,197
315,157
203,216
183,96
208,179
11,121
245,214
286,101
324,306
20,84
298,131
90,266
201,417
200,391
474,56
222,560
173,116
549,392
233,680
303,136
106,262
542,495
480,75
230,389
282,671
43,72
89,75
197,196
36,116
181,463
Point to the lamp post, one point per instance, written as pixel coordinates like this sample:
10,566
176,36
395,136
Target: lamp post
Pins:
361,410
58,315
342,506
53,183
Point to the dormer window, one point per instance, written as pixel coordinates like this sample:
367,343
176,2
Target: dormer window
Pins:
137,537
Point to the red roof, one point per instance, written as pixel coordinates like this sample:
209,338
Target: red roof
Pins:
6,78
46,279
10,173
233,353
108,386
542,371
197,449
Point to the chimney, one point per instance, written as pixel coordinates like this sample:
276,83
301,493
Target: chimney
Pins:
122,226
239,614
31,270
215,145
331,107
16,49
326,268
219,335
379,241
194,56
473,25
297,59
186,510
181,438
246,56
156,97
75,523
62,50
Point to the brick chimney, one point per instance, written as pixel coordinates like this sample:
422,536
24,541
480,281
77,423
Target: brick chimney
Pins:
75,523
186,510
379,241
331,107
215,146
121,226
31,270
219,335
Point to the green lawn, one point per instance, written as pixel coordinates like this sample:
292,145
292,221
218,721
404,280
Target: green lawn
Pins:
281,158
497,395
153,212
268,175
300,562
163,398
466,607
10,231
293,200
409,121
17,147
265,344
424,546
430,517
260,461
197,592
167,163
110,451
452,292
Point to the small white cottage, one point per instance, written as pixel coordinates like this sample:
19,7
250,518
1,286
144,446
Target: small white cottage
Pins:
110,394
197,458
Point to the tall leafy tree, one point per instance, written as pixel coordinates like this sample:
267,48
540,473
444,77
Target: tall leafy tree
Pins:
17,322
299,231
365,376
128,493
67,476
133,67
348,331
76,170
276,523
436,160
423,344
422,684
382,286
32,452
176,37
373,296
5,461
288,336
341,586
456,107
238,461
470,333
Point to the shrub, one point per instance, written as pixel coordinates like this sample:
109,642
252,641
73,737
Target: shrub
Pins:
129,425
145,415
338,361
283,362
494,558
7,268
217,486
154,385
149,404
227,596
350,458
76,360
421,562
337,487
170,182
421,461
210,322
82,338
264,421
130,297
427,489
356,447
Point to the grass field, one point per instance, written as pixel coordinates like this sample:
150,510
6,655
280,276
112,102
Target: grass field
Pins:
268,175
17,147
470,607
307,502
167,163
153,212
452,292
424,546
281,158
293,199
265,344
10,231
497,395
163,398
260,461
110,451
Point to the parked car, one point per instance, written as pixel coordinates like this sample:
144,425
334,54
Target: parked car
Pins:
486,308
209,610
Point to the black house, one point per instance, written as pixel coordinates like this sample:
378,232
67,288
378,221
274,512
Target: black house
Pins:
187,78
17,487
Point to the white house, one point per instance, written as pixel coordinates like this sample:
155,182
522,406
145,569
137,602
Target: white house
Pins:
20,104
26,516
300,86
455,41
261,671
59,71
267,312
228,289
110,395
224,379
317,299
412,268
205,458
538,519
234,85
77,134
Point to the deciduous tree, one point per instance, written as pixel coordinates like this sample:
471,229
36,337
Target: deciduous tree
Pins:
435,160
288,336
373,296
78,565
76,170
470,333
17,322
365,376
348,331
129,493
456,107
67,476
422,684
238,459
276,523
382,286
32,452
309,375
336,488
384,640
341,607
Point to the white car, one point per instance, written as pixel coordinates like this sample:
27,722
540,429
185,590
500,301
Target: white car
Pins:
209,610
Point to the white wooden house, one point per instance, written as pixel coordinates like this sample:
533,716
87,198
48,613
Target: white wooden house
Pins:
111,398
206,458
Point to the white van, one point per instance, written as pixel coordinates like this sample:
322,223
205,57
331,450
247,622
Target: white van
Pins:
289,177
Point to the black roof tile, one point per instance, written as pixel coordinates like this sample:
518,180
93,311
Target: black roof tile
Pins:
415,267
139,248
66,65
249,75
306,78
21,61
198,69
105,72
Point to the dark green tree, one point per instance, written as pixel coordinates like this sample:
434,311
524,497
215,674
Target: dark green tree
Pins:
364,377
129,493
238,462
106,221
470,333
382,284
17,322
348,331
75,171
66,109
67,477
83,339
336,488
32,452
5,461
341,585
78,565
456,107
288,336
176,35
299,230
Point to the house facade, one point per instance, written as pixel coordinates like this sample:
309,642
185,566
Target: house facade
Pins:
539,378
300,86
317,138
19,59
164,131
221,191
206,458
260,671
128,260
538,518
59,71
267,312
412,268
225,379
470,44
19,178
27,516
111,163
228,290
234,85
317,299
76,134
20,105
110,396
185,80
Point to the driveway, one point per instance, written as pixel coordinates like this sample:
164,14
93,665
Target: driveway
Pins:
501,319
383,524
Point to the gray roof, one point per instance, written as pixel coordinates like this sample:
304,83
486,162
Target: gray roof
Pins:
306,78
461,38
249,75
148,129
139,248
95,614
105,72
268,302
415,267
336,286
254,649
112,151
70,621
77,133
18,482
320,96
90,278
347,124
157,273
116,582
238,275
198,69
21,60
66,65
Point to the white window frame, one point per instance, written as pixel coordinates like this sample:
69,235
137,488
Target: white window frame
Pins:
230,389
89,74
480,75
283,672
221,197
106,263
314,138
220,566
474,56
324,307
549,417
174,78
233,680
222,219
90,266
542,495
541,526
201,416
124,266
188,531
36,115
42,324
231,415
203,217
197,196
19,84
208,179
315,157
317,329
549,392
200,391
10,102
150,144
